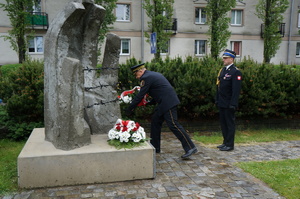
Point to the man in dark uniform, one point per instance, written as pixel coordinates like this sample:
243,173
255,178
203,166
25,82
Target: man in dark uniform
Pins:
159,88
229,84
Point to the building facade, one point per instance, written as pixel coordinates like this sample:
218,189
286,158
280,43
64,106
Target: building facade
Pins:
189,30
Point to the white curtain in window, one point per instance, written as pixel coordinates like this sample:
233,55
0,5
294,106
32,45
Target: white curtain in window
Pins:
123,12
39,44
236,17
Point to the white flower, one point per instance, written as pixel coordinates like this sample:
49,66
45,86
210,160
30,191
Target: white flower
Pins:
130,125
136,137
112,134
127,99
142,132
124,136
123,132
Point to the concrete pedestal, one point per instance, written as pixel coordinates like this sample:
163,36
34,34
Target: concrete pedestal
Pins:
40,164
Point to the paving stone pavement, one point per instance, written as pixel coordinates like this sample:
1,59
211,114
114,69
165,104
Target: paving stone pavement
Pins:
208,174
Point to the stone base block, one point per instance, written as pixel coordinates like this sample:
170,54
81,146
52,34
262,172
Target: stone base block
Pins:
40,164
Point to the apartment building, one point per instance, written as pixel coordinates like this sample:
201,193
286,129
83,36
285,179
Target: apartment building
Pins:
189,30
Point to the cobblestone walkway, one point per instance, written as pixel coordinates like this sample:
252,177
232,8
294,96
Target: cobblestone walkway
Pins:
208,174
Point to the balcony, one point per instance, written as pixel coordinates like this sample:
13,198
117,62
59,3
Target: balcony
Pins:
281,30
38,20
173,28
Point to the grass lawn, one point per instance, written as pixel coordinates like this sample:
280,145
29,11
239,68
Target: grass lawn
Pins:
282,176
9,152
250,136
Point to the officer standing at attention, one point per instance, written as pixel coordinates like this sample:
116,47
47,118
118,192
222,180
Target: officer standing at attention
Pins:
229,84
159,88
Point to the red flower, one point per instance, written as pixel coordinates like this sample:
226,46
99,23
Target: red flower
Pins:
137,126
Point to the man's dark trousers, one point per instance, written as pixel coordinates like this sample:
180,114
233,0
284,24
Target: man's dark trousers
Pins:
227,120
170,117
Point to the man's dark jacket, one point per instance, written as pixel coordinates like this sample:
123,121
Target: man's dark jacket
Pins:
159,88
229,87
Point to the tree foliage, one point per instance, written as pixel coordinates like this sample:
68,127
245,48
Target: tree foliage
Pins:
216,11
270,12
160,12
17,11
109,19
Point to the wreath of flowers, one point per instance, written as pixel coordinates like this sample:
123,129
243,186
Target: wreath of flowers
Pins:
128,95
126,134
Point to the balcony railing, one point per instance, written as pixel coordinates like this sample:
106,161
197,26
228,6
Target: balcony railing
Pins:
38,20
281,30
173,27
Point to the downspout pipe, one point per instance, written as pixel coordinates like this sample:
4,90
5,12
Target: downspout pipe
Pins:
290,33
142,31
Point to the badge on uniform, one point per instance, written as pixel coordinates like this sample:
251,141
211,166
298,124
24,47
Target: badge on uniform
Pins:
239,77
142,83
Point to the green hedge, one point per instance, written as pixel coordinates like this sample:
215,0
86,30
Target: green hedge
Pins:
267,90
22,90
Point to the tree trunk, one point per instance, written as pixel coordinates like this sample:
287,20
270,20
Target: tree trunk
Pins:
267,34
214,37
154,24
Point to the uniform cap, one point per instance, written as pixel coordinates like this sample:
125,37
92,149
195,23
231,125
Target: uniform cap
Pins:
137,67
229,53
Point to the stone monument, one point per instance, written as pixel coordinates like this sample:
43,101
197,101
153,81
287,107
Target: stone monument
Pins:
80,108
74,95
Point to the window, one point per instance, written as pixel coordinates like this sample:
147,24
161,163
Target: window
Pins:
200,16
123,12
164,50
236,46
125,46
298,49
298,20
37,6
236,17
36,45
200,47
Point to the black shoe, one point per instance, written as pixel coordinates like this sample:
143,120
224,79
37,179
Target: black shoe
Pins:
226,148
221,146
189,153
157,150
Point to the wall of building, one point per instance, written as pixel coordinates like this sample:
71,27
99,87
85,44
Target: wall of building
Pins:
181,43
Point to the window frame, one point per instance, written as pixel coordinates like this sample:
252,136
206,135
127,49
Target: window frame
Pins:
124,12
298,20
298,49
168,49
235,17
37,6
197,47
129,46
200,22
232,47
36,47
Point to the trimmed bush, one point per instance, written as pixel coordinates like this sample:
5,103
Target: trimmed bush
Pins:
24,98
5,71
267,90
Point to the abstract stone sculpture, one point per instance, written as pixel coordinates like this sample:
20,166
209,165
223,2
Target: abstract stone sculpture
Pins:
75,105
